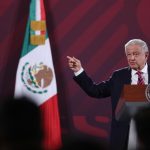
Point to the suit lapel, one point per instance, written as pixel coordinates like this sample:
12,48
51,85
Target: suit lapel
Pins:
127,76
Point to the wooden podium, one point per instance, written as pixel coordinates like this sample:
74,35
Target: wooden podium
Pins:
132,98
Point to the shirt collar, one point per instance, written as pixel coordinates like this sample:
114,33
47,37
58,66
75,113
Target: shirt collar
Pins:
144,70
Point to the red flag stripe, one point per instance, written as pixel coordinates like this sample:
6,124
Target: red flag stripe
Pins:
42,13
51,123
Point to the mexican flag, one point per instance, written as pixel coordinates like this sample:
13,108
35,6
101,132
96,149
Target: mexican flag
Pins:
36,76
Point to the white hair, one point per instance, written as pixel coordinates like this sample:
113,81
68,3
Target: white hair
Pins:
139,42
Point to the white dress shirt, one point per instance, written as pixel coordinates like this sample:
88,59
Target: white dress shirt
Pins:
78,72
134,76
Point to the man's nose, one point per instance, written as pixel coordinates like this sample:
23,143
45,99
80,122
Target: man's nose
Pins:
132,57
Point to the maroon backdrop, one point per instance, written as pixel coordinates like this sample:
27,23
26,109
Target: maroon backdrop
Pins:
94,31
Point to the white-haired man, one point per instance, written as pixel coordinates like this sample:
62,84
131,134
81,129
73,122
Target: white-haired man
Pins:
136,51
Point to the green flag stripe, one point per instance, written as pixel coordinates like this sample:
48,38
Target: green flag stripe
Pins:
27,47
32,9
32,13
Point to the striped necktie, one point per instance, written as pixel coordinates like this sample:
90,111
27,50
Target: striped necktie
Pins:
140,78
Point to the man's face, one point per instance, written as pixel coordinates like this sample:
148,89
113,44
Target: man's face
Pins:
136,57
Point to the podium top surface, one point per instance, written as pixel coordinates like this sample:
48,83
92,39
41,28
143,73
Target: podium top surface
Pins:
134,93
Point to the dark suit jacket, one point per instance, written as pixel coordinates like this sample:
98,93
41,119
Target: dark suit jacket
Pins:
112,87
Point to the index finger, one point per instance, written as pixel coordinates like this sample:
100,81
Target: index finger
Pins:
69,57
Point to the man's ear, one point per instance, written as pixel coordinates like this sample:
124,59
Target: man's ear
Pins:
146,54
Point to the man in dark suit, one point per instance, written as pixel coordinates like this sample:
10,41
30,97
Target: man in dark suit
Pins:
136,51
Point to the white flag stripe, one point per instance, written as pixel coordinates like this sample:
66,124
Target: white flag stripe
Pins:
38,10
40,54
38,14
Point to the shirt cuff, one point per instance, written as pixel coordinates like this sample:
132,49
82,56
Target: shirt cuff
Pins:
78,72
